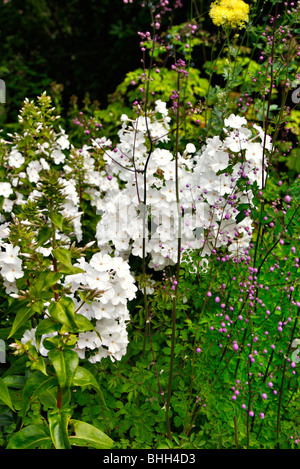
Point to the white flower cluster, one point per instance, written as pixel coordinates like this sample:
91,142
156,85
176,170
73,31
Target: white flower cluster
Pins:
108,312
5,191
47,154
91,178
10,263
209,192
112,279
211,182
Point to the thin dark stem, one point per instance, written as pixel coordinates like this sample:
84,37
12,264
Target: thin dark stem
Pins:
283,377
236,432
59,397
174,303
154,361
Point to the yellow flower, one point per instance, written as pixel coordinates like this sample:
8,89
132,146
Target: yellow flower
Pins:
232,13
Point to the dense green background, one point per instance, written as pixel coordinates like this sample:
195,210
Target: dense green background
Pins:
88,46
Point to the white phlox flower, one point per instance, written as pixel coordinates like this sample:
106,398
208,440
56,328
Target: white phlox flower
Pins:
206,179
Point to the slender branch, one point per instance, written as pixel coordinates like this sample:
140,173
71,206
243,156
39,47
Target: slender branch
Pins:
174,303
154,361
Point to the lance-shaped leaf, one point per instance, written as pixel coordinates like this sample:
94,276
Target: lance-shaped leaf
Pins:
58,425
46,326
83,324
63,311
31,437
64,256
57,220
65,363
88,435
36,384
83,377
46,280
44,235
25,313
4,395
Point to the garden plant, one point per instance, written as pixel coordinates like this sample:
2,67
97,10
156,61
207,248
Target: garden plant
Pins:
150,249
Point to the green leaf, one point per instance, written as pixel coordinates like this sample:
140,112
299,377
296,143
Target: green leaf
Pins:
17,367
83,377
37,383
4,395
4,333
31,437
48,398
58,426
6,417
46,326
64,256
240,217
57,220
88,435
46,280
40,365
44,235
82,323
65,363
63,311
53,342
23,314
242,207
15,381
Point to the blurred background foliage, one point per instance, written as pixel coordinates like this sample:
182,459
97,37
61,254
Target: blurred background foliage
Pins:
78,48
86,55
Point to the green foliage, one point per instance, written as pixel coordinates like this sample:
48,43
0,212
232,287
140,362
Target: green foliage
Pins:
200,356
